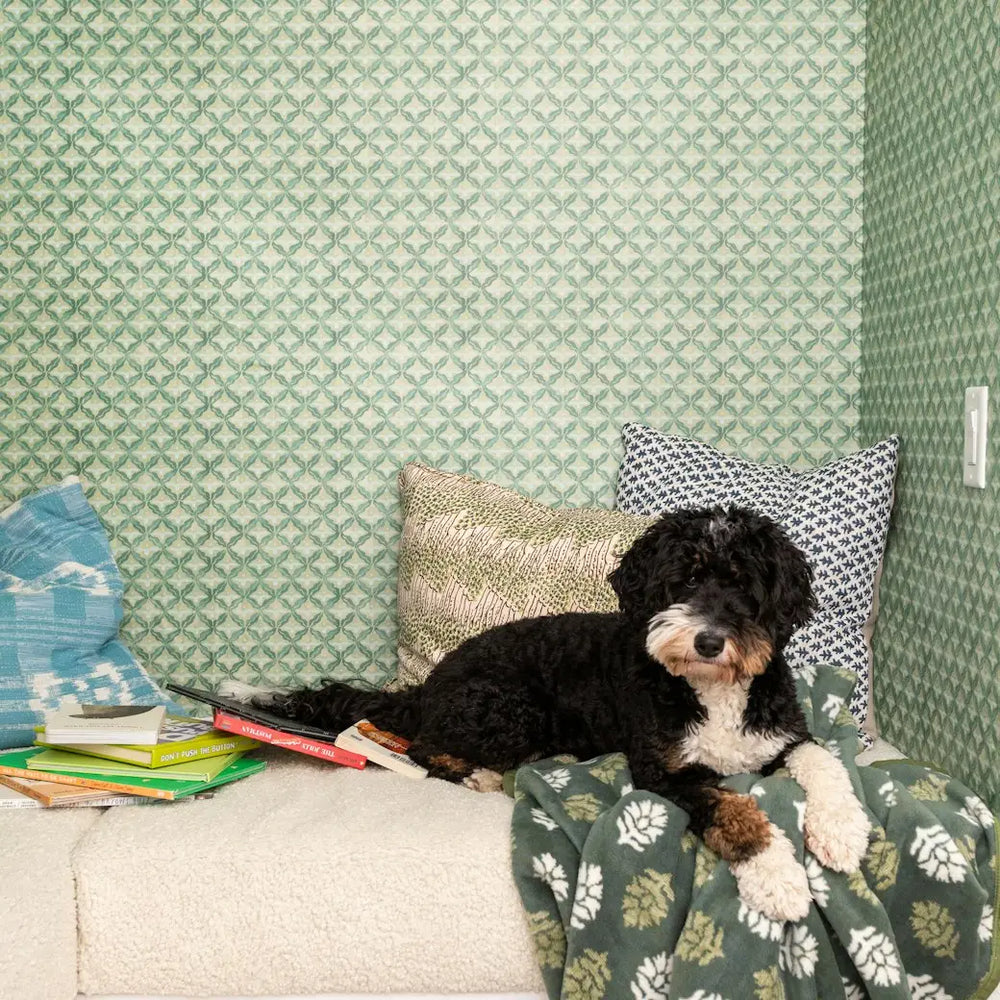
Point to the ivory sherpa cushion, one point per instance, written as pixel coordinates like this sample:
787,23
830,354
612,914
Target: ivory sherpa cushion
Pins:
304,879
38,901
474,554
838,514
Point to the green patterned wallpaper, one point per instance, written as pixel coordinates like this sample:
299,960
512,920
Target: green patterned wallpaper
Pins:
931,328
254,257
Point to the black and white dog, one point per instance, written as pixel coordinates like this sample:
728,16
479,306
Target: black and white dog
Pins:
688,679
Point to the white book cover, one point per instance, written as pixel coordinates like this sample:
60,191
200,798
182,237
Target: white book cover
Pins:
104,724
380,747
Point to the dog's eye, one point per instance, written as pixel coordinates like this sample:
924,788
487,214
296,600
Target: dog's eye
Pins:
692,582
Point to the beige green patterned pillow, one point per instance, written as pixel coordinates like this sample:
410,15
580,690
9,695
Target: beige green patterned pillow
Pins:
474,555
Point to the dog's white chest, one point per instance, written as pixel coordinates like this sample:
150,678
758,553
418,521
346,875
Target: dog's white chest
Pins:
718,741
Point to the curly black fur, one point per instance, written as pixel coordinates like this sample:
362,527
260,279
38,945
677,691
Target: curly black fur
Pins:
729,585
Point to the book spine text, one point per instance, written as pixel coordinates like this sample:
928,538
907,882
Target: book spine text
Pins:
192,753
72,779
300,744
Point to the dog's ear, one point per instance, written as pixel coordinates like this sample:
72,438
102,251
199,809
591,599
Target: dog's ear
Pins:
791,591
638,580
628,580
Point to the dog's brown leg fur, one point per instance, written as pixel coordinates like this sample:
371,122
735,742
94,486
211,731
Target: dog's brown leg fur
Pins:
444,765
731,824
738,829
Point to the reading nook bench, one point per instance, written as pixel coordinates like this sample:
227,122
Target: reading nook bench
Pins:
304,880
309,879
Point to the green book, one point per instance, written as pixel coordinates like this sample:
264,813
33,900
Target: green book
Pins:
80,763
18,763
182,738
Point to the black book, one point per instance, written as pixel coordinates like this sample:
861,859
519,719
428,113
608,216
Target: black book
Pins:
251,712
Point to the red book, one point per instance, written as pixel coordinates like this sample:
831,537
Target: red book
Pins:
300,744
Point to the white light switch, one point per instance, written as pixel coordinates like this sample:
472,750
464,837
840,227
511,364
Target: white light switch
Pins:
974,457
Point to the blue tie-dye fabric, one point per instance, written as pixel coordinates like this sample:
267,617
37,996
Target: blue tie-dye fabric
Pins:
60,607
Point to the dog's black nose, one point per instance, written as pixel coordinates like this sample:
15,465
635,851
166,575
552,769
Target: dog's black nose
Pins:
709,643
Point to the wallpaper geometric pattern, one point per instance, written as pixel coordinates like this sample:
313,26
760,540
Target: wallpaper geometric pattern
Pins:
931,322
255,257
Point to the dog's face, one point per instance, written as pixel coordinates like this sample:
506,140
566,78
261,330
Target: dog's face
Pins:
718,591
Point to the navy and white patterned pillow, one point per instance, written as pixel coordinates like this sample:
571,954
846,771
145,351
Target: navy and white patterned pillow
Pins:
838,514
60,606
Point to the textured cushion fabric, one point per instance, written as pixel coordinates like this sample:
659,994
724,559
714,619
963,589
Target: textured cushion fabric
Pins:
60,606
474,554
37,900
305,879
838,514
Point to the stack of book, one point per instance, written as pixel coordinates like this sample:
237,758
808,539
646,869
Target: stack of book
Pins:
353,747
121,755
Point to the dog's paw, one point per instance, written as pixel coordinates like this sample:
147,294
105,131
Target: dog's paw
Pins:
484,780
835,825
773,882
836,832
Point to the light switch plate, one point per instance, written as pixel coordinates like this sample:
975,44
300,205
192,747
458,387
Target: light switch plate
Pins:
974,454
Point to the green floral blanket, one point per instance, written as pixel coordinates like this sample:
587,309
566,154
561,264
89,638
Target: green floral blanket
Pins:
623,901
